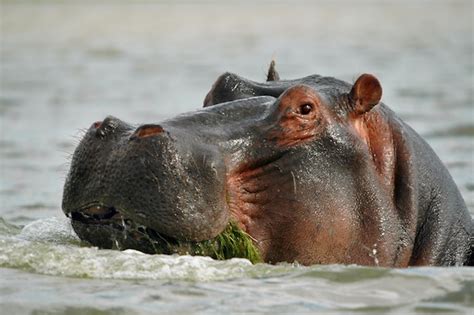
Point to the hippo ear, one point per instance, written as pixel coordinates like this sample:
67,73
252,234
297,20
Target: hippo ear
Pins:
365,94
272,74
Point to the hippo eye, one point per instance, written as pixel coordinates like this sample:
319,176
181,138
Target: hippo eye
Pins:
305,109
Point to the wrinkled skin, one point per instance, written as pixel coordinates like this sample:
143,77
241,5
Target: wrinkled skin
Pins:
315,170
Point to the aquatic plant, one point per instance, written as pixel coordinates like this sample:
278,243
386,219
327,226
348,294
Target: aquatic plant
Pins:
233,242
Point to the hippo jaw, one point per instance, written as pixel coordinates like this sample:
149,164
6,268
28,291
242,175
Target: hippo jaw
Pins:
105,227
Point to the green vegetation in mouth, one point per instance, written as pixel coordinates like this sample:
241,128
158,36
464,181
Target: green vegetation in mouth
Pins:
233,242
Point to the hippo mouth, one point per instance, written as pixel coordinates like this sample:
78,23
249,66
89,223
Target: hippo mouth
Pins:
112,229
97,214
103,216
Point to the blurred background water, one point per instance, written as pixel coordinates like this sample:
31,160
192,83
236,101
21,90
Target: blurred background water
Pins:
65,64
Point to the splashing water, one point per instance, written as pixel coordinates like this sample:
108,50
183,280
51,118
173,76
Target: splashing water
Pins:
50,246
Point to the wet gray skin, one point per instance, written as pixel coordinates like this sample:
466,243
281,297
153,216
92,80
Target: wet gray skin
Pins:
315,201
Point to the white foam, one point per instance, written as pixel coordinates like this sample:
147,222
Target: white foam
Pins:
50,246
53,230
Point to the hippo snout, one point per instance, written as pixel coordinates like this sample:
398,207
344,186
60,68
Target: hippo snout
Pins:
144,178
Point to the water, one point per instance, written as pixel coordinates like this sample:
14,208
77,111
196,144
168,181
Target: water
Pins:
66,64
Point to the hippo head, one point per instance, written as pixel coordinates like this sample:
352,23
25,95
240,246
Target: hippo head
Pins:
286,161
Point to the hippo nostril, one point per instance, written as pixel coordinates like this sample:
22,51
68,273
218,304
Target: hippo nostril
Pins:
105,127
109,122
147,131
97,124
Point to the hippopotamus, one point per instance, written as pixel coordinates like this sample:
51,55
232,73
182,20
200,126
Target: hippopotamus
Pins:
314,170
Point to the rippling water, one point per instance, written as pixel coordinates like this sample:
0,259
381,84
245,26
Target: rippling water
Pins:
66,64
52,271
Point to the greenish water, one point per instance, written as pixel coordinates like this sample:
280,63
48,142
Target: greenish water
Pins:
64,65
